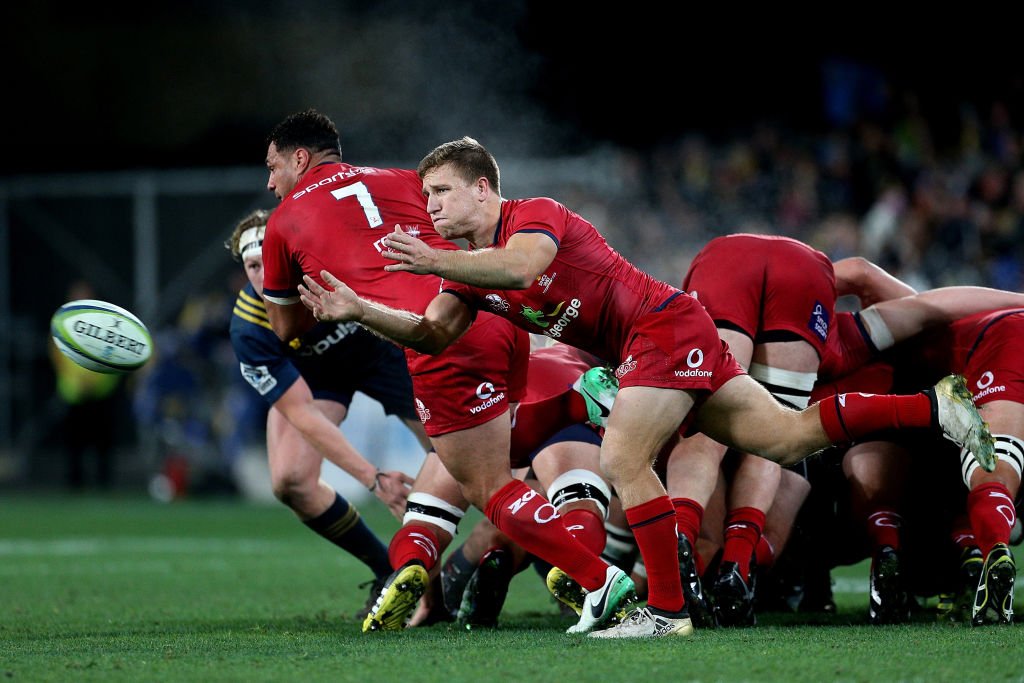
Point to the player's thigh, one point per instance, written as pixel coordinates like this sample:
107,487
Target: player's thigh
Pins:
563,456
477,457
740,345
289,455
796,356
743,415
1005,419
640,423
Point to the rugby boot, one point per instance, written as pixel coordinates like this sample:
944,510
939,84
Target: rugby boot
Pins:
598,387
375,586
453,579
648,622
696,601
958,604
485,592
993,601
565,589
398,598
733,596
600,606
887,598
817,596
958,417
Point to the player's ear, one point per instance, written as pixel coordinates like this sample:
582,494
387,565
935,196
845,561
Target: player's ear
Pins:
483,188
301,158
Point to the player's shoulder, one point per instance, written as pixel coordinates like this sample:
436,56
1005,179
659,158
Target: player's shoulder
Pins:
249,312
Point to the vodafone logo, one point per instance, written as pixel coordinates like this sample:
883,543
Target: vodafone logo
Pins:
485,391
986,380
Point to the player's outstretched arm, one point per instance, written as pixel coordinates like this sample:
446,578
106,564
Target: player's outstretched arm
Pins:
444,321
299,408
515,266
910,315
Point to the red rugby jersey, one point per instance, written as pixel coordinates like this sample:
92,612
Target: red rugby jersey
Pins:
589,297
335,219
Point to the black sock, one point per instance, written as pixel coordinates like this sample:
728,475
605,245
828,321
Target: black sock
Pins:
341,525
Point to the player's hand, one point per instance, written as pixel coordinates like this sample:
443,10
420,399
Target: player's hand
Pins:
411,252
337,304
393,491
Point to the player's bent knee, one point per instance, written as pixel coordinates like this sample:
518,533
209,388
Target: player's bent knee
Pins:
429,509
291,490
579,485
1009,449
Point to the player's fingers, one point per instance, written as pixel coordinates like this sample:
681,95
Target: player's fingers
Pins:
312,285
330,279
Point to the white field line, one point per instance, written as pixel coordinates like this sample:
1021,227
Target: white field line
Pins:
135,544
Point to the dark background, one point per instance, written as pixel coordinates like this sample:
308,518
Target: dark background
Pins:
192,84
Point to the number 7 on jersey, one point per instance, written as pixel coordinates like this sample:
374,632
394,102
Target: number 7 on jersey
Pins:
359,191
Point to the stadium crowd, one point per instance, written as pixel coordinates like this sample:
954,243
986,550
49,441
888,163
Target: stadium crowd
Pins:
933,208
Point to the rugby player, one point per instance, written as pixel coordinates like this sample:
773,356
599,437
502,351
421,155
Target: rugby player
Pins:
308,385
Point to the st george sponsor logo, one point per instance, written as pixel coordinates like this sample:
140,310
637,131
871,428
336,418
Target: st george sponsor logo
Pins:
543,320
422,411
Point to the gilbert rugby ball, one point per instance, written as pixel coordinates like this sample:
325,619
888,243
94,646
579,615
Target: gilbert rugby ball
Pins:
101,337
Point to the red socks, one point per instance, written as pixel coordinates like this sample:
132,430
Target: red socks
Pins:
587,527
743,527
530,520
847,417
884,527
689,515
413,542
990,508
765,553
654,527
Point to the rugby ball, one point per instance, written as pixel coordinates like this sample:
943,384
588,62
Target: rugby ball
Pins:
101,337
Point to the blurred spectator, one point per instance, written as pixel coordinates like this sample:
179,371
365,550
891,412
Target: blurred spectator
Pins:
90,417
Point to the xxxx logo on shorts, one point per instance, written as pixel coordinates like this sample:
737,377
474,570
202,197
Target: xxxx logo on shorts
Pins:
628,365
423,411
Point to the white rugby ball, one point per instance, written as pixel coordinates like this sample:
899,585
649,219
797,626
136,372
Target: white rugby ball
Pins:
101,337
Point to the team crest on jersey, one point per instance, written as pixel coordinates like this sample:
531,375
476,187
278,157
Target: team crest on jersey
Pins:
544,281
496,303
423,411
818,324
259,377
628,365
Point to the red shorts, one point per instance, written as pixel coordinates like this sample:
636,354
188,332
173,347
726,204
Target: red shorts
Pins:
554,368
474,380
995,368
846,350
677,347
760,284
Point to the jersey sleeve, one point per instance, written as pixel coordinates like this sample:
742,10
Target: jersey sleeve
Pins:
539,215
261,360
281,274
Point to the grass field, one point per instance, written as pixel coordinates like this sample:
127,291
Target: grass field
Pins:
128,589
